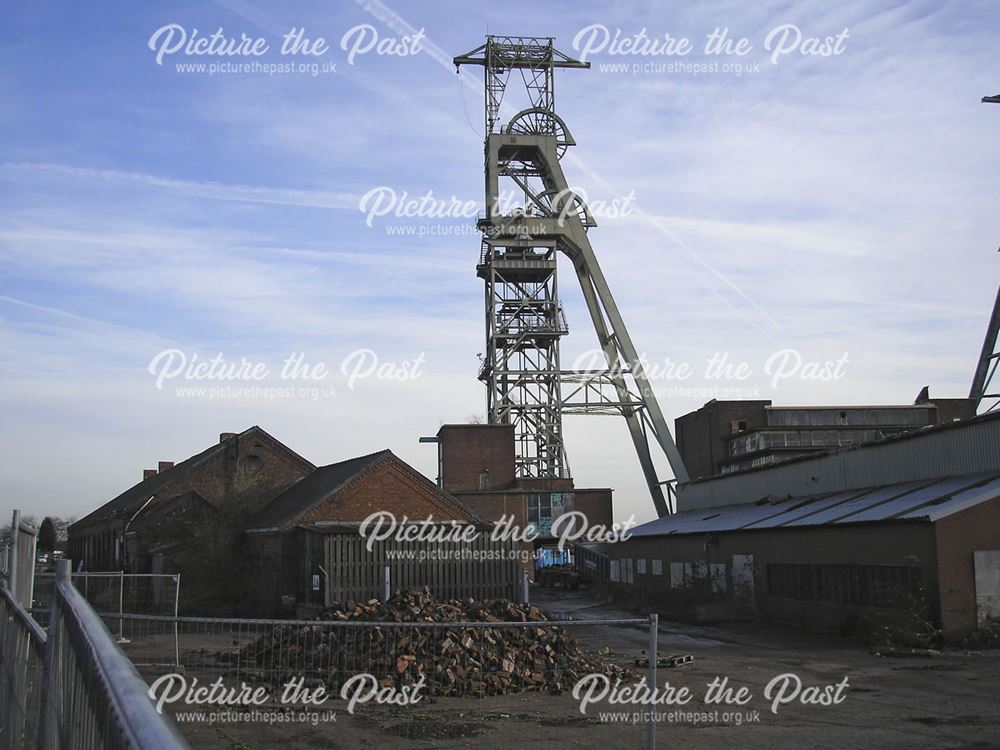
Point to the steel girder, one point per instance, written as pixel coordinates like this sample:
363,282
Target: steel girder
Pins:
521,367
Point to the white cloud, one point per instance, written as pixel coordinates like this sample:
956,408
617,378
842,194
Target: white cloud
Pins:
833,205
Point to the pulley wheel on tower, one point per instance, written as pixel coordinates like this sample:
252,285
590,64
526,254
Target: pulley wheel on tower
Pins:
540,121
565,203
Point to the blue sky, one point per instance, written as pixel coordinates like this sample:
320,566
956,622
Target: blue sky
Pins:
827,204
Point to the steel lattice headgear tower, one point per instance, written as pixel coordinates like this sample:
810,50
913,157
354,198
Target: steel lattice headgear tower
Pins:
524,319
986,369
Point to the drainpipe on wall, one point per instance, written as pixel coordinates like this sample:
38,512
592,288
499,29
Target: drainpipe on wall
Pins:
129,523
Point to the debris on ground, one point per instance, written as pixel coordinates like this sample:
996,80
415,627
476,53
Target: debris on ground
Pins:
453,661
668,662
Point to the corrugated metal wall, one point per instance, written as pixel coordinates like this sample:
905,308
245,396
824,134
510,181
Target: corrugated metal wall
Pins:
965,448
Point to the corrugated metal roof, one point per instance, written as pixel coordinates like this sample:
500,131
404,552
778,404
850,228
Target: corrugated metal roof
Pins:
959,501
802,513
911,501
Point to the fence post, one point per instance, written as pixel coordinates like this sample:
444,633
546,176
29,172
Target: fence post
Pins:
177,597
15,528
525,591
386,584
47,732
654,621
121,602
27,593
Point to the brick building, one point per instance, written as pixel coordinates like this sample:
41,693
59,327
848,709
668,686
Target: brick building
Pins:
728,436
311,552
140,530
476,464
250,524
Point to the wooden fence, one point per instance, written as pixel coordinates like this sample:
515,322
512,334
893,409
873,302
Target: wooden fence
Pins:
481,569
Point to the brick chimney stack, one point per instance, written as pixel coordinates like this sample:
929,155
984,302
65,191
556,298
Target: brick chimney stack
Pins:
164,465
147,473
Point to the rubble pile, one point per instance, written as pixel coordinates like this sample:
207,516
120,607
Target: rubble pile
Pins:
454,661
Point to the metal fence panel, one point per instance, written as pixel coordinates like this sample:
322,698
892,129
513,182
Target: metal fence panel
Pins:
93,697
75,688
22,654
21,560
475,671
124,593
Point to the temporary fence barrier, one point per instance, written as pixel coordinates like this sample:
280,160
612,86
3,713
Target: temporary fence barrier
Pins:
496,661
70,687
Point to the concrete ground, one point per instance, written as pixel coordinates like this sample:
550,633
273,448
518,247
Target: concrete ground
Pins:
944,701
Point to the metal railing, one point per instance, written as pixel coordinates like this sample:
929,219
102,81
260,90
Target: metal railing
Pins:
20,573
494,661
22,657
125,593
92,695
71,687
74,687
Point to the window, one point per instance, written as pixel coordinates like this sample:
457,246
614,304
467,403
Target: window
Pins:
484,479
677,578
540,511
859,585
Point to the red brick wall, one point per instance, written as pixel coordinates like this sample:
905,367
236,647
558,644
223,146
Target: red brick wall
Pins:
596,505
544,485
958,536
250,472
493,505
469,449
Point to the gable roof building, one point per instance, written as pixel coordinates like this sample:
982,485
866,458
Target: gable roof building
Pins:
349,491
238,475
252,526
307,548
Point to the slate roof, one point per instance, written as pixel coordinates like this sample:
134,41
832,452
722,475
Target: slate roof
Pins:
327,481
147,488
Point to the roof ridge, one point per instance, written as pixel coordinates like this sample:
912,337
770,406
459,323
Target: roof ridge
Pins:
364,463
278,444
357,458
181,467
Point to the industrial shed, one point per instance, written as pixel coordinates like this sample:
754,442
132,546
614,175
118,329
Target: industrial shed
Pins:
309,551
827,557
